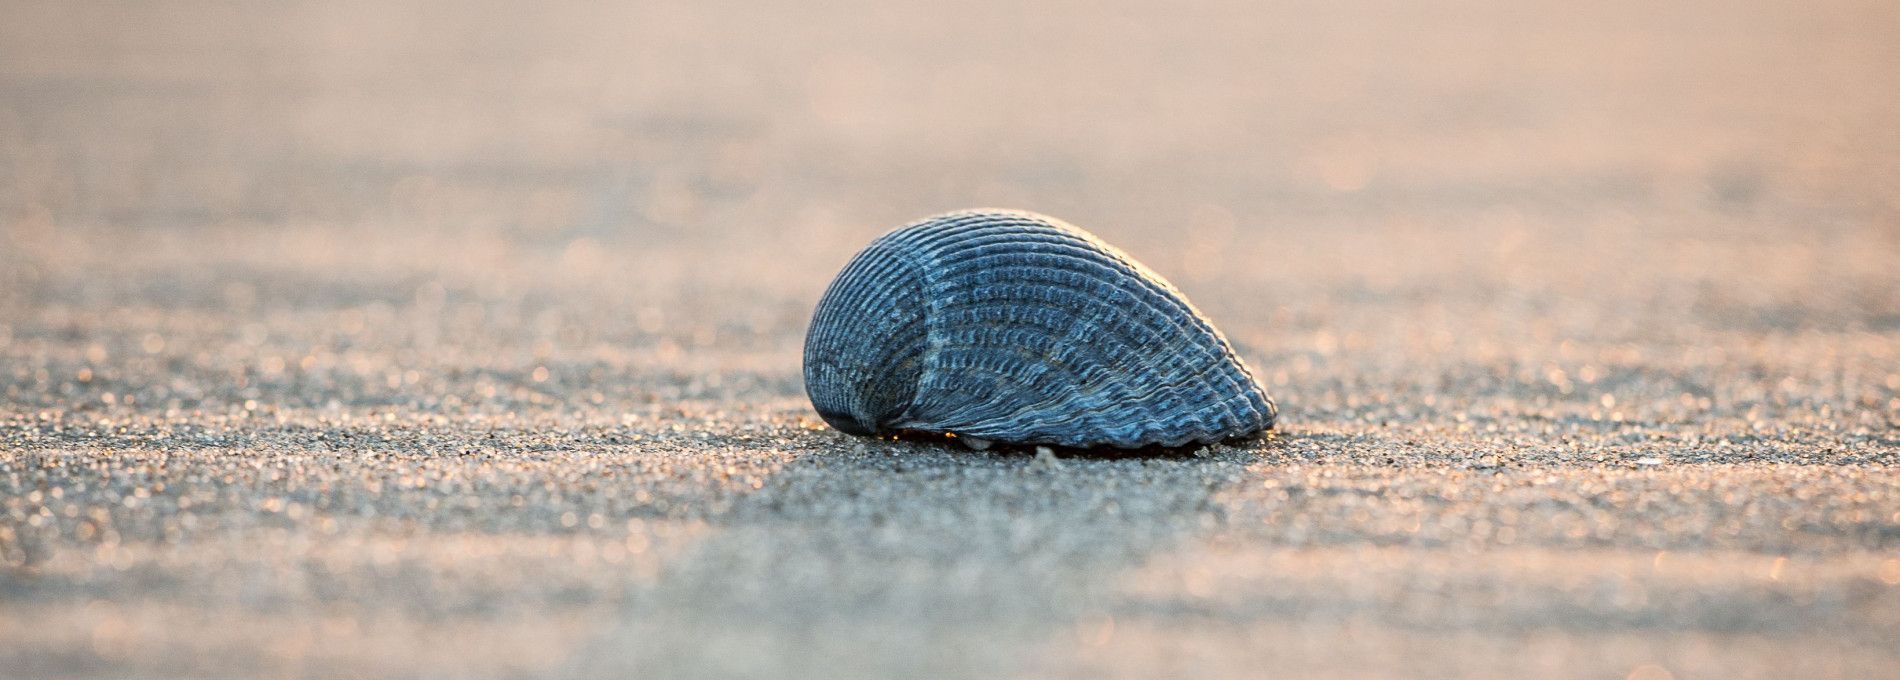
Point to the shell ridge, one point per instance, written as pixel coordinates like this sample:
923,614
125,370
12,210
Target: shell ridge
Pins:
971,248
1058,348
1192,426
1166,293
1019,398
1202,424
1197,421
967,301
1192,389
1097,374
930,234
1213,355
1146,296
1248,383
961,360
930,238
928,414
1024,394
927,315
870,286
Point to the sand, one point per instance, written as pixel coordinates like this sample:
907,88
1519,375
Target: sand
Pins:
462,339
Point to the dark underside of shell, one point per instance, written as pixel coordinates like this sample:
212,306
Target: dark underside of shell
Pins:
1019,328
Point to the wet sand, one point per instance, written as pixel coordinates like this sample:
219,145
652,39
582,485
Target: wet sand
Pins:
462,340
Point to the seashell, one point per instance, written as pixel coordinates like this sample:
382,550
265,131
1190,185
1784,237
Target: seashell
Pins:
1014,327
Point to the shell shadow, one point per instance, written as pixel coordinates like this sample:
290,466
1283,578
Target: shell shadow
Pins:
1254,444
913,558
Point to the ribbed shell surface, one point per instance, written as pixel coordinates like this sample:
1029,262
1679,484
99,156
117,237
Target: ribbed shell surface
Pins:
1017,327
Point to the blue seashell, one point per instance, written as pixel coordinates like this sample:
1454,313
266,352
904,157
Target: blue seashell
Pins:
1009,326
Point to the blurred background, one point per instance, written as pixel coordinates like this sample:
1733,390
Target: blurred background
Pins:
625,150
657,174
549,237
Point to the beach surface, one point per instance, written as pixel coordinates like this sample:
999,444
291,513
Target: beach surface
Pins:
462,339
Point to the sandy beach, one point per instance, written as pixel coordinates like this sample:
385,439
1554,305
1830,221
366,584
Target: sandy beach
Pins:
452,340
